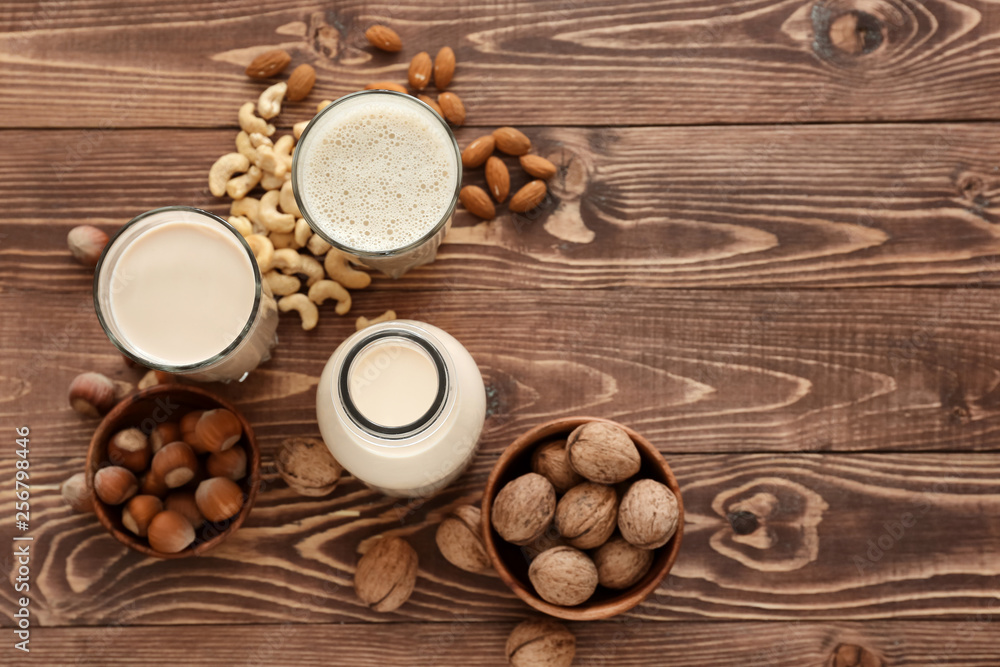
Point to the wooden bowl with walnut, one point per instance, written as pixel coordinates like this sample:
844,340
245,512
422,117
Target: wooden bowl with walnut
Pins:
548,556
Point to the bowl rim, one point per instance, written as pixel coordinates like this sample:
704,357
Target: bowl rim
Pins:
626,599
109,425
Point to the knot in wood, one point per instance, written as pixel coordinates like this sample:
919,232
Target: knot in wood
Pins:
743,522
851,655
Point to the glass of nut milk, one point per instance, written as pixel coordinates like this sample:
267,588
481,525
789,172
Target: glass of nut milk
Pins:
178,289
377,174
401,405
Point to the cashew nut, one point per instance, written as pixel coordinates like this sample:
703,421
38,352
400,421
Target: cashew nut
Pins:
251,123
311,267
244,147
281,284
257,140
247,207
363,321
270,161
225,168
283,148
298,129
287,260
322,105
283,239
307,309
263,251
329,289
241,224
317,245
303,232
269,102
269,216
272,182
238,187
288,204
339,268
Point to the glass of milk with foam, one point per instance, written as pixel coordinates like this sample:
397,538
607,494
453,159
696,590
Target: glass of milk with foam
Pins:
178,289
377,174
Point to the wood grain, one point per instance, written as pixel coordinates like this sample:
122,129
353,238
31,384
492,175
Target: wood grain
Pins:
767,537
694,371
554,62
663,207
970,642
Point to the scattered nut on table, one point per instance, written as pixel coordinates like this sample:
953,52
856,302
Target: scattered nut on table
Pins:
541,642
387,574
307,466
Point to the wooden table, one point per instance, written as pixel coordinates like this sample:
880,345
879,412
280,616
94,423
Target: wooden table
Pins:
772,248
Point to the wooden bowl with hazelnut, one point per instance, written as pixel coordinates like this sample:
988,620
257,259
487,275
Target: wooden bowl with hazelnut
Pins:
582,518
173,470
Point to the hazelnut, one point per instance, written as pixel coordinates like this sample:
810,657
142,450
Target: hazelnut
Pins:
219,498
231,463
307,466
602,453
170,532
460,539
76,494
123,389
153,378
114,485
648,514
153,485
188,424
621,564
184,503
86,242
386,574
541,643
129,449
139,513
563,576
524,508
218,430
176,464
92,394
551,462
163,434
586,516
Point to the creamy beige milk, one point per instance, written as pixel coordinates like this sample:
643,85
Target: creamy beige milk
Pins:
377,173
393,383
183,292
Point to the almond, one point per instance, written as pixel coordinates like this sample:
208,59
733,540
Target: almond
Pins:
268,64
385,38
475,154
511,141
538,166
498,178
444,67
386,85
528,197
432,103
419,73
300,83
477,202
451,105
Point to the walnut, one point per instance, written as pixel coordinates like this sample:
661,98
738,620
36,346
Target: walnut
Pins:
550,461
524,508
563,576
308,467
602,453
620,564
586,516
648,514
386,574
541,643
460,539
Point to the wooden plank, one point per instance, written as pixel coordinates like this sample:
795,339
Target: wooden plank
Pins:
663,207
584,62
696,371
767,537
967,643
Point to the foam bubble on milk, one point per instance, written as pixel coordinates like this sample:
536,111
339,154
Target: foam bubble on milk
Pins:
380,173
